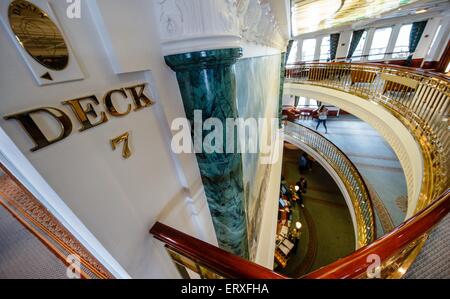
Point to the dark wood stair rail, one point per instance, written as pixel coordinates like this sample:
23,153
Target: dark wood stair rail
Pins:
210,256
351,266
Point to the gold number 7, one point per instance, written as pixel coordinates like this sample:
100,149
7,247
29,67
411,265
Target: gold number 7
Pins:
126,152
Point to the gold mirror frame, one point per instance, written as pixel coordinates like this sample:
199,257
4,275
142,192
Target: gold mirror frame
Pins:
38,35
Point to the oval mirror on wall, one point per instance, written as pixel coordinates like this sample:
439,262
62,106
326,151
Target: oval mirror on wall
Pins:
38,35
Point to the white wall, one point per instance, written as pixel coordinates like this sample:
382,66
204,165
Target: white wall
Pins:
442,38
268,231
117,200
345,39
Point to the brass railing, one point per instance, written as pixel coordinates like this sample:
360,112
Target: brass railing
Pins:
348,174
420,100
395,251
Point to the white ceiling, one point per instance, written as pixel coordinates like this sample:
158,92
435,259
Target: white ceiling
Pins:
311,17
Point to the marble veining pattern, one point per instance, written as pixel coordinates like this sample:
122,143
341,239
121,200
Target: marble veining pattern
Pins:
207,82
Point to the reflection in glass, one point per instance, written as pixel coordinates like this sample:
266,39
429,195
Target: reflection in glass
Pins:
38,35
293,54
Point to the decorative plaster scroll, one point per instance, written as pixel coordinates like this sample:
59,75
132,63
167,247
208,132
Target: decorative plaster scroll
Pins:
193,25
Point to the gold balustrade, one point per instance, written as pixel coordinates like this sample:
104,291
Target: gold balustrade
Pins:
420,100
347,172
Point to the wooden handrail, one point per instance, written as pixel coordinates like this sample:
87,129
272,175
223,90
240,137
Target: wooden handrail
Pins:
210,256
351,266
355,264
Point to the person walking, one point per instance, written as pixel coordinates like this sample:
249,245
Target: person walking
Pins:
323,114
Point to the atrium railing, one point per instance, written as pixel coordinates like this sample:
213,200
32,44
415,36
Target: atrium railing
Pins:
420,100
347,172
395,251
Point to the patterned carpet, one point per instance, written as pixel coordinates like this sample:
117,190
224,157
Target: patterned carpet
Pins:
434,259
327,232
22,255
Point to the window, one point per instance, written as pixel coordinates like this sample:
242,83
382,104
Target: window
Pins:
302,102
434,40
306,103
379,43
313,103
308,49
325,49
401,49
293,54
359,48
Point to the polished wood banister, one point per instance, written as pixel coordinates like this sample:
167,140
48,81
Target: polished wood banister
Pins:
351,266
355,264
219,260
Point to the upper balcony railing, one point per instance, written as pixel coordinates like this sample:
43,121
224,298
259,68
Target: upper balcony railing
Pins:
348,174
420,100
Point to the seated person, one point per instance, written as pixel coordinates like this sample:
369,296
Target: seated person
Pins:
292,113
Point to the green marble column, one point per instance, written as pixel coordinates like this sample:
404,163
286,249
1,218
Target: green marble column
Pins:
207,82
